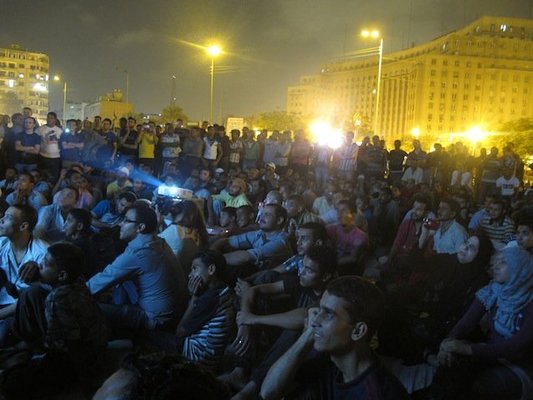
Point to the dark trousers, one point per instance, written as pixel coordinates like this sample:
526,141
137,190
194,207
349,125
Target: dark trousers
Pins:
51,165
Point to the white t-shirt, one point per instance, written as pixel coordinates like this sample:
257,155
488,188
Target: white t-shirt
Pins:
50,141
507,186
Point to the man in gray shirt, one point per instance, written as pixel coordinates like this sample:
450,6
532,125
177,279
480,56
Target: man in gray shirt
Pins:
149,273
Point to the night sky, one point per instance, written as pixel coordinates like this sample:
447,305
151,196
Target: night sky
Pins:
269,43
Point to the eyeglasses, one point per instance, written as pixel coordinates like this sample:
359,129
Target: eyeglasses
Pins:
130,221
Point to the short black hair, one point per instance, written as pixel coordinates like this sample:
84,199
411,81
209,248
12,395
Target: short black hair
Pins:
319,230
420,198
365,302
279,211
147,216
82,216
28,214
213,257
231,211
107,119
325,257
69,258
52,114
130,197
26,173
454,205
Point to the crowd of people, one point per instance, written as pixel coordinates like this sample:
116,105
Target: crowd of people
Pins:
259,265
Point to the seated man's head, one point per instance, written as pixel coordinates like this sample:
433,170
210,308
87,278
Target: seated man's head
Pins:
207,270
228,216
25,181
351,310
62,264
273,218
448,209
385,195
67,198
318,268
161,376
237,187
77,224
421,207
124,201
245,216
11,174
497,209
273,197
310,234
294,205
524,233
18,219
346,212
139,219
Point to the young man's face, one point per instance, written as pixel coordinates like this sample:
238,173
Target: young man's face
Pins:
445,212
524,237
244,218
51,120
107,125
70,226
10,222
129,226
24,182
200,270
268,221
225,219
29,124
48,270
418,211
305,239
293,208
332,326
123,205
310,275
495,211
346,216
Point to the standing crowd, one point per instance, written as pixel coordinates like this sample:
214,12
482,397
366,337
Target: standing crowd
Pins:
259,265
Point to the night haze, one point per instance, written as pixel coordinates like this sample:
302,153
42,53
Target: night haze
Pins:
267,45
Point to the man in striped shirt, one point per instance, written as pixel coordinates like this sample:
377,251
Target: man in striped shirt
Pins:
498,227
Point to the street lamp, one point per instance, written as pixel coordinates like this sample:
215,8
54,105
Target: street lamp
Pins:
58,79
374,34
213,51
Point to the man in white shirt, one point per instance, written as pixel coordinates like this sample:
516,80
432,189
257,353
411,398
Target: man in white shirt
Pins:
50,155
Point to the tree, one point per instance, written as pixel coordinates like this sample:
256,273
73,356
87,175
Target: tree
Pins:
172,114
276,120
10,103
519,132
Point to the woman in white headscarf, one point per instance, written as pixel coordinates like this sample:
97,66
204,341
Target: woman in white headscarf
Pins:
502,366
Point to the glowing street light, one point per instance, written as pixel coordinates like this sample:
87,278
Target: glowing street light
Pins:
213,51
375,34
58,79
416,133
325,135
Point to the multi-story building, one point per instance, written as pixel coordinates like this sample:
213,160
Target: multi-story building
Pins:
23,81
109,106
479,75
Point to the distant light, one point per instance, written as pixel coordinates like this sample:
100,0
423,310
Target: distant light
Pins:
476,134
40,87
21,75
374,34
415,132
503,27
324,134
57,78
214,50
46,77
11,83
38,76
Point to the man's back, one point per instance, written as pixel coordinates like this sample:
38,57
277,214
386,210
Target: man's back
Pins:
149,263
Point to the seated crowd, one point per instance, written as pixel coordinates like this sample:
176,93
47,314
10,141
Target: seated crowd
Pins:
281,270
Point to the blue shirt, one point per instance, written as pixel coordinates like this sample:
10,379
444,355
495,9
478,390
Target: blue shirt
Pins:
476,219
156,273
273,247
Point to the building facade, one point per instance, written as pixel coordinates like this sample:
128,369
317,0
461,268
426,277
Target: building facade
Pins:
479,75
108,106
23,81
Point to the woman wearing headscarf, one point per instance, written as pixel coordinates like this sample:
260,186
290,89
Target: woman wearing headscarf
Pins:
501,367
421,315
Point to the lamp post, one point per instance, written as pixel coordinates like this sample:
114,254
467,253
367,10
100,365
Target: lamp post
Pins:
58,79
374,34
213,51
